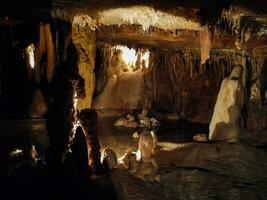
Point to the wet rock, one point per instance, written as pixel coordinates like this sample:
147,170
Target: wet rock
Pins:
145,122
135,135
154,122
147,168
257,118
108,158
200,138
129,161
130,117
208,170
146,171
132,124
130,188
121,122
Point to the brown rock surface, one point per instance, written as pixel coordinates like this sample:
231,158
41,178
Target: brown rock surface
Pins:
201,171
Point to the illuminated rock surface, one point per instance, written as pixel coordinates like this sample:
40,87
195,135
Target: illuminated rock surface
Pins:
225,124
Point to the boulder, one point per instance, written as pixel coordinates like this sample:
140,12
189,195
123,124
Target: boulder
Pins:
132,124
130,117
200,137
121,122
135,135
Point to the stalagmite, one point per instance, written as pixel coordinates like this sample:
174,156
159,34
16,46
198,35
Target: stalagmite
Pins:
225,122
147,169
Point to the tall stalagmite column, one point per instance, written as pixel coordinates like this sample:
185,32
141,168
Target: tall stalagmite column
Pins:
85,41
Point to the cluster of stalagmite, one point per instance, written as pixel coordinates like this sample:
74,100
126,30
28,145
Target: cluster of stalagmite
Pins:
142,163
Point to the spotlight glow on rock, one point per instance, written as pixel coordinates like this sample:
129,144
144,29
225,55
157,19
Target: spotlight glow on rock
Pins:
30,53
130,56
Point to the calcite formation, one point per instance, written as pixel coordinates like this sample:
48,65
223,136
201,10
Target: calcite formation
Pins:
85,42
226,120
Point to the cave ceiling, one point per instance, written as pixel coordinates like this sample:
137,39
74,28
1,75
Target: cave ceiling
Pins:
165,24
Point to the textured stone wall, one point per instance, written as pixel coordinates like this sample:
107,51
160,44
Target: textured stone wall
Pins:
85,41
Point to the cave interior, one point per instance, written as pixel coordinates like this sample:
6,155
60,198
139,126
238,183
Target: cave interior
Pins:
162,67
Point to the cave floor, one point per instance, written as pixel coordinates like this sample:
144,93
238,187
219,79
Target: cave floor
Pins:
188,170
201,171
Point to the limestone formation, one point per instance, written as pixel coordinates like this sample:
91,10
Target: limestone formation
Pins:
45,49
147,168
200,138
88,119
132,124
225,123
135,135
121,122
130,117
39,107
129,161
154,122
85,42
108,158
143,121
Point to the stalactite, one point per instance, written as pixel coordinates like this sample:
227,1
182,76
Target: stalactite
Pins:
40,50
205,45
51,57
45,49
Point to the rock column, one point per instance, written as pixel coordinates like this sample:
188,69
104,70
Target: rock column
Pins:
85,41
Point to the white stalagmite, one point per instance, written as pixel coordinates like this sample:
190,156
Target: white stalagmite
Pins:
225,122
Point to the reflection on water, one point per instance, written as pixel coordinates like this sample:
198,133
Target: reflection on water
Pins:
121,140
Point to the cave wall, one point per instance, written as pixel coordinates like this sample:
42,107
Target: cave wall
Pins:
16,84
118,88
174,83
184,86
257,109
85,41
